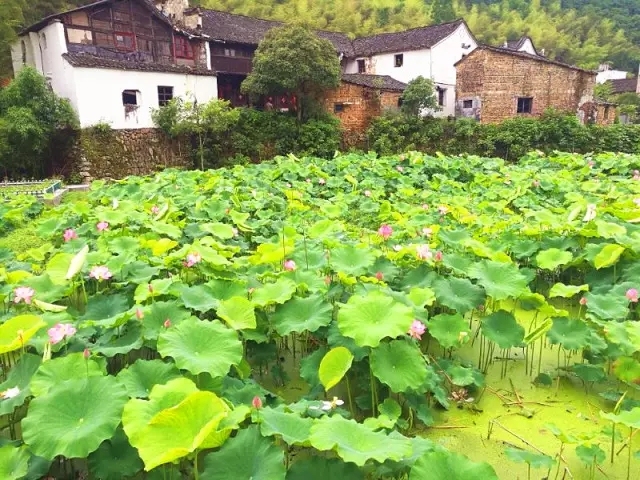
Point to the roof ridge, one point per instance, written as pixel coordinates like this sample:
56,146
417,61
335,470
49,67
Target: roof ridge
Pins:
412,29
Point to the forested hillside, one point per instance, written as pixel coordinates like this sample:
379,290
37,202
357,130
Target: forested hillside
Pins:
584,32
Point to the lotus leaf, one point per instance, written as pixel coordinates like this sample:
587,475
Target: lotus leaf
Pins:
459,294
352,260
278,292
19,376
370,318
334,366
130,339
189,344
293,428
553,258
302,314
536,460
73,366
16,332
502,328
566,291
14,462
247,456
500,280
399,364
608,256
450,466
354,442
318,468
448,330
140,378
238,313
571,334
115,458
74,417
199,298
629,418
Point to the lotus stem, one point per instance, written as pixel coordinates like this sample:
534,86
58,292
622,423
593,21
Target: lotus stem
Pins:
196,474
373,391
559,459
349,396
613,441
629,457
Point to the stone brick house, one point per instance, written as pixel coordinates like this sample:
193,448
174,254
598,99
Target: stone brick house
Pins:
495,84
360,98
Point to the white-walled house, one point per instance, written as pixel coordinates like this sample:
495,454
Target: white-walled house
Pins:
523,44
430,52
117,60
606,73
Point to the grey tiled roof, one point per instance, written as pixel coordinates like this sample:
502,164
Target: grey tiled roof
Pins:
229,27
413,39
624,85
86,60
383,82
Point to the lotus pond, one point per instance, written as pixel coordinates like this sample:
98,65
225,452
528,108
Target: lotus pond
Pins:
408,317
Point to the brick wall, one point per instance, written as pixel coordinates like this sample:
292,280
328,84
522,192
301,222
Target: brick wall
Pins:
495,81
359,105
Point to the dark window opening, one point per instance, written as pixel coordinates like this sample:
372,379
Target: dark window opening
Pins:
399,59
525,104
399,102
361,66
338,107
183,48
442,95
165,95
606,112
130,97
467,104
24,53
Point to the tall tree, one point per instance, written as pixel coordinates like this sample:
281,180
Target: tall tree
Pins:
442,11
293,59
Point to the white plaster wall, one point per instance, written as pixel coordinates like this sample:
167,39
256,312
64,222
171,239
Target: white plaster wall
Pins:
443,57
602,77
527,47
99,94
415,63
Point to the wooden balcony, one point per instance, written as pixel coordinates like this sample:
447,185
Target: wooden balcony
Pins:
237,65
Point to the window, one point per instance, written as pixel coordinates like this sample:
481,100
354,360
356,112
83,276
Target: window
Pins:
606,112
400,102
124,41
467,104
183,48
130,97
525,104
165,95
442,96
338,107
361,66
399,59
229,52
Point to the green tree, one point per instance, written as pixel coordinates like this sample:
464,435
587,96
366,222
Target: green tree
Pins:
206,123
418,96
33,121
442,11
293,59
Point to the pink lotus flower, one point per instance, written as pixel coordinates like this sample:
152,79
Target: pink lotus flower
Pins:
417,329
424,252
367,193
308,180
256,402
235,231
583,301
591,163
438,256
400,168
443,210
23,294
380,276
150,288
69,234
60,331
86,354
167,323
155,210
385,231
322,181
632,295
139,314
536,183
327,280
100,273
192,259
427,232
636,174
290,265
425,206
102,226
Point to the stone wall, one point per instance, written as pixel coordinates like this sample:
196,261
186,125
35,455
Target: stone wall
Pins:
491,83
114,154
356,106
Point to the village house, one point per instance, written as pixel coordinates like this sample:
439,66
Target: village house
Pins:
117,60
495,84
523,44
425,51
625,85
606,73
